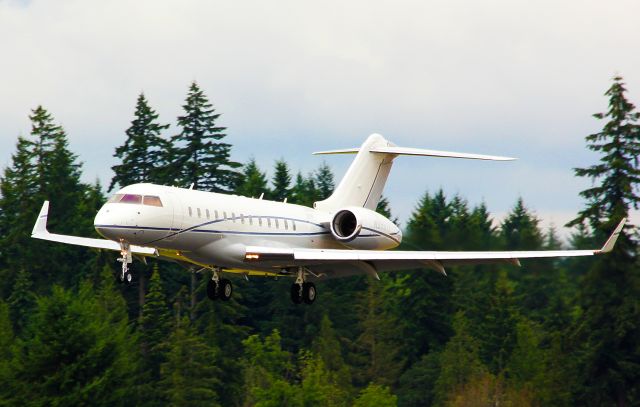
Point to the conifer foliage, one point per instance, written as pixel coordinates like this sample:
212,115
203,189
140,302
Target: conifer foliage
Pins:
199,157
144,151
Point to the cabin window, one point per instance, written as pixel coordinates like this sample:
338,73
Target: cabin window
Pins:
199,215
260,221
286,225
224,213
251,220
132,199
216,213
207,213
269,222
293,223
277,225
233,217
242,219
151,200
190,212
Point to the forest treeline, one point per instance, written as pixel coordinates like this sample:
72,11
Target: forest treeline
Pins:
549,333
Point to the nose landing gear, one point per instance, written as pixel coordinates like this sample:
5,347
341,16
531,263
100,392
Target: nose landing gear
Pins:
126,259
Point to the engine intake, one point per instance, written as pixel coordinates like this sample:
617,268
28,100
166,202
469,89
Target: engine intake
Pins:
345,226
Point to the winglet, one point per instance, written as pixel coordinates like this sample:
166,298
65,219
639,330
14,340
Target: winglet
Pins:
41,223
611,241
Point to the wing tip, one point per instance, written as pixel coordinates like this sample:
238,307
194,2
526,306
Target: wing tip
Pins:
611,241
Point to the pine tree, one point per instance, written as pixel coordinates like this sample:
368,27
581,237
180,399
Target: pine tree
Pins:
21,300
324,181
326,346
281,181
376,395
72,355
6,349
459,359
189,376
254,181
154,325
304,191
609,293
380,359
143,152
198,155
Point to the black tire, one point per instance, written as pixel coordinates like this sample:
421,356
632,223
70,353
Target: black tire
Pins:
213,290
309,293
296,295
226,290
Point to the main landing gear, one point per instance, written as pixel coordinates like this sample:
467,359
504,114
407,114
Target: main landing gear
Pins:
126,259
302,291
219,287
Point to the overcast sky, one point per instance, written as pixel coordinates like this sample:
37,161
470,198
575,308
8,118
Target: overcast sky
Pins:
516,78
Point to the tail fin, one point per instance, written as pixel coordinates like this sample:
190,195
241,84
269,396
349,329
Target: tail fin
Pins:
364,181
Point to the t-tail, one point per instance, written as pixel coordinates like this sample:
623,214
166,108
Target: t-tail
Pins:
364,181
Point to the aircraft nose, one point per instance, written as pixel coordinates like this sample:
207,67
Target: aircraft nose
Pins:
103,220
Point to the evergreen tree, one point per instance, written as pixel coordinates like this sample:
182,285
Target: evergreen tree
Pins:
603,335
143,152
281,181
320,386
73,356
327,348
377,344
189,376
6,350
304,191
254,181
21,300
376,395
459,359
499,327
324,181
198,155
154,325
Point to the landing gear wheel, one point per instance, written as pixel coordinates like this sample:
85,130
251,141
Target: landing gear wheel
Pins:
225,290
296,293
309,293
213,290
128,277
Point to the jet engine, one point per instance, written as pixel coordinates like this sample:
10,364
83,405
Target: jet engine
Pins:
361,228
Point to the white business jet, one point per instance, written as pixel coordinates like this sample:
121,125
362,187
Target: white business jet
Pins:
228,234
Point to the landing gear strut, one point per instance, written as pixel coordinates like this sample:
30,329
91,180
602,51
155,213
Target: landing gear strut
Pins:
302,291
219,287
126,259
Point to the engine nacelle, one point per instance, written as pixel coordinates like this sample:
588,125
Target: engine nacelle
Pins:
361,228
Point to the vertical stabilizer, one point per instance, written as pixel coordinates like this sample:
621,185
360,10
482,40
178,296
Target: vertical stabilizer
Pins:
364,181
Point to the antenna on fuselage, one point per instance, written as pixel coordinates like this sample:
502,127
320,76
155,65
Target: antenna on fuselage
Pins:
261,195
285,200
191,186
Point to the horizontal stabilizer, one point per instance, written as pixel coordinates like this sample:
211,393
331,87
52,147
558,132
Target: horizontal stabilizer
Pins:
40,232
419,152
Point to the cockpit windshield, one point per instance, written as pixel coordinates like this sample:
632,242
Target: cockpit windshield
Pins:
149,200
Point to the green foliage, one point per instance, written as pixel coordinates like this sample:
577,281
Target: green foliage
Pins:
72,356
143,153
254,181
281,181
155,325
460,360
376,395
198,156
189,376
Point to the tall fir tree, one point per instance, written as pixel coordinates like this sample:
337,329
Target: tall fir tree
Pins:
189,376
143,153
254,181
324,181
603,336
281,181
198,155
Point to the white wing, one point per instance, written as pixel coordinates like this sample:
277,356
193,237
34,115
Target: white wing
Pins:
334,262
40,232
